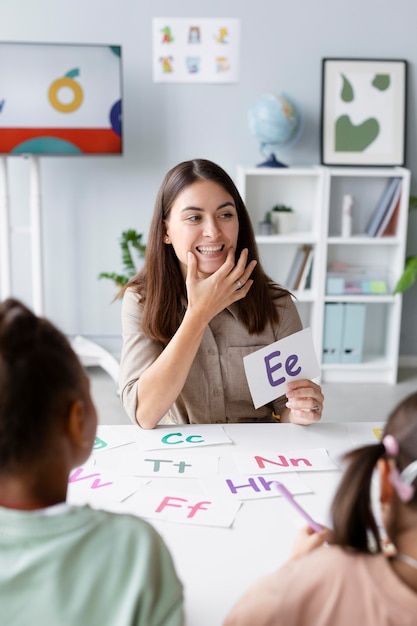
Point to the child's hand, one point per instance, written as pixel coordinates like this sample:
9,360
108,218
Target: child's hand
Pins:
209,295
305,402
308,540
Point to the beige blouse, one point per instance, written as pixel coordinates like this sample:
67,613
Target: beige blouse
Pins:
216,390
328,587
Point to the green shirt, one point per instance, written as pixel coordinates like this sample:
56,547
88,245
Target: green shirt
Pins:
83,567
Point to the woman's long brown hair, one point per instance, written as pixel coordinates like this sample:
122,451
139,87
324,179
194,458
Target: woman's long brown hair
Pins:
161,284
353,520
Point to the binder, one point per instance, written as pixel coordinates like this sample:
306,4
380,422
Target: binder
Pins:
353,333
333,332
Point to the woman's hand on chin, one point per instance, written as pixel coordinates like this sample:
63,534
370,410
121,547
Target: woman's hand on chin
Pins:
209,295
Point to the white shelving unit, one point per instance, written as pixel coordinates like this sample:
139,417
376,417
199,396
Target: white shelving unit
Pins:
315,194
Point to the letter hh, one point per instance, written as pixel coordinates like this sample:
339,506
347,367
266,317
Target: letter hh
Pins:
233,488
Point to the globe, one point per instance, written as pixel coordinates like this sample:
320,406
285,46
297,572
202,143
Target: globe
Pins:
276,122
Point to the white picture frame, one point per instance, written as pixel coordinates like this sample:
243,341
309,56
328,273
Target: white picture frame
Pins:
363,112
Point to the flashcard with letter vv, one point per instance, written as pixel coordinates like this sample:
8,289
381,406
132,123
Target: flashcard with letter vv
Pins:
88,485
269,369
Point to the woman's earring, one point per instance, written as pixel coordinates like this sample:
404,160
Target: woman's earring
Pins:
166,239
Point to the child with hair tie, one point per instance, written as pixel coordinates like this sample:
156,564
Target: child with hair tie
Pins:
353,581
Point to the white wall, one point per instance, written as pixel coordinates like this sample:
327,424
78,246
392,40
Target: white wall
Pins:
89,201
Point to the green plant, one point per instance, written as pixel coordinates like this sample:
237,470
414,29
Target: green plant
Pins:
128,241
282,207
409,275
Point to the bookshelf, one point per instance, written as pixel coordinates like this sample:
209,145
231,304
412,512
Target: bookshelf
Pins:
316,194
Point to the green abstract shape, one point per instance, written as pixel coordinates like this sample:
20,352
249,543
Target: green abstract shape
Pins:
73,73
46,145
351,138
347,94
381,81
117,50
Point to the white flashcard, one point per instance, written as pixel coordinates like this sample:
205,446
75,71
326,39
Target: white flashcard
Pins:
244,487
277,461
186,508
364,433
269,369
87,485
135,462
108,437
182,436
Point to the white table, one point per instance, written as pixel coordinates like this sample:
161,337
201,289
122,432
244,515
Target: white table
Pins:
216,564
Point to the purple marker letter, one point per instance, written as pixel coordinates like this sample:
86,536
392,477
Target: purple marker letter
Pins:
290,363
270,369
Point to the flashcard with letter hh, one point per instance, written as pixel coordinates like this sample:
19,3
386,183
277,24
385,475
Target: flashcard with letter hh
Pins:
246,487
269,369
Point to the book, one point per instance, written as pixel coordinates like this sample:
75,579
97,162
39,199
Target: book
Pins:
395,201
306,252
391,228
382,207
295,268
306,271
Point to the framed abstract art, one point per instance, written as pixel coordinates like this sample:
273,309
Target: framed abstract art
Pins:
363,112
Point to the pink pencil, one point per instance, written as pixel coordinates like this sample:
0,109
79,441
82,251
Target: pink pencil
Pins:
290,498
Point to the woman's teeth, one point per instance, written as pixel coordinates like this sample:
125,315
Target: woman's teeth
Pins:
209,249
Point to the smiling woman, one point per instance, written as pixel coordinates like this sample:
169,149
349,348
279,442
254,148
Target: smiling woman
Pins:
201,303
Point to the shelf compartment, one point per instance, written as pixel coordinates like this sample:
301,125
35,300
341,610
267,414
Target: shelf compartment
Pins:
291,238
363,298
366,190
375,369
363,241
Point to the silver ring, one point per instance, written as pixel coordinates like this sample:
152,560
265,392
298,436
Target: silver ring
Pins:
239,285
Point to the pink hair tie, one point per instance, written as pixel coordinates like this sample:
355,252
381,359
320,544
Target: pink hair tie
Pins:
405,492
391,445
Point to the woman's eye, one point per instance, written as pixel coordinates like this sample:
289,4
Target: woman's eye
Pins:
193,218
226,216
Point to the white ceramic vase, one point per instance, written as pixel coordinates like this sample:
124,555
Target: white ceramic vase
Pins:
283,221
